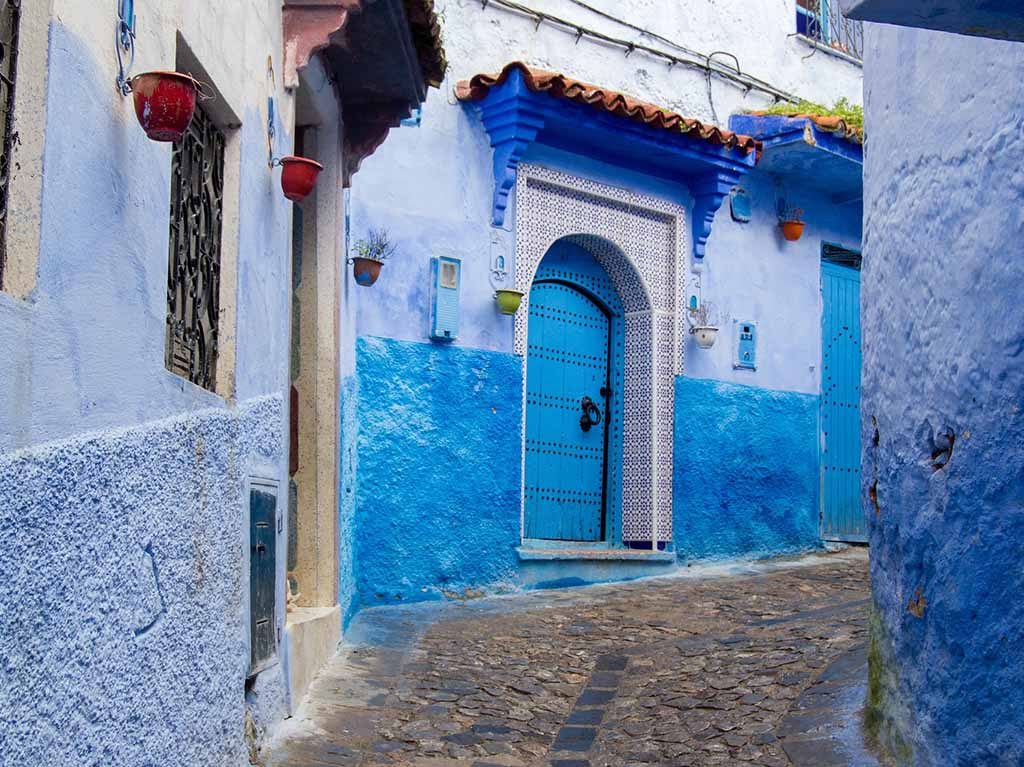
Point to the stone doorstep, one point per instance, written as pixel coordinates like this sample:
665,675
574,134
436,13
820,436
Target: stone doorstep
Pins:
530,554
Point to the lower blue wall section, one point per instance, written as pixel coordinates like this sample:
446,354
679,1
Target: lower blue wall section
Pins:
437,499
746,470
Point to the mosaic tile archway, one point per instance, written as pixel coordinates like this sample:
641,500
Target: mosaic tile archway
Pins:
641,242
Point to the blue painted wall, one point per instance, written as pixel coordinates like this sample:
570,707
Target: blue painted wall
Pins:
439,470
943,325
123,633
348,600
746,473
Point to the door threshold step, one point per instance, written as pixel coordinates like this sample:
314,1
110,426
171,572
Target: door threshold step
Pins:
570,553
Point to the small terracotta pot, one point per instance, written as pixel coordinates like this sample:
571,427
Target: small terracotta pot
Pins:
792,230
705,336
508,300
366,270
298,176
164,103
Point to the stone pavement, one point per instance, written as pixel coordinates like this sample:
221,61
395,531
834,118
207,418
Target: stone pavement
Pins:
750,664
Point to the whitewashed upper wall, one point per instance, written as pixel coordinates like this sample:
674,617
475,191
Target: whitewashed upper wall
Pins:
760,33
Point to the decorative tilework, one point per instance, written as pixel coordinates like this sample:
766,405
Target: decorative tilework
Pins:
640,241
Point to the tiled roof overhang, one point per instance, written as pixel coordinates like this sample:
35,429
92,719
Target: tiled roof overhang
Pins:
522,106
620,104
383,54
820,153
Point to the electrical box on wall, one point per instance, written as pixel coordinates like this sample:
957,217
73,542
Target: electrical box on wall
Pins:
446,276
745,333
739,205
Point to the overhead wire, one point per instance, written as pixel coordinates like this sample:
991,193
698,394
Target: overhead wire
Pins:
690,58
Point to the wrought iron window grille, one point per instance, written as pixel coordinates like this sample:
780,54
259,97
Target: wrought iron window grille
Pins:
10,12
194,258
823,22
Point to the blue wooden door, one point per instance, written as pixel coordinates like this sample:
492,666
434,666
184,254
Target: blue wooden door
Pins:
842,517
567,361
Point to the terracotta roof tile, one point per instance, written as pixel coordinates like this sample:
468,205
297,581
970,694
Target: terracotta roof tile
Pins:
561,86
827,123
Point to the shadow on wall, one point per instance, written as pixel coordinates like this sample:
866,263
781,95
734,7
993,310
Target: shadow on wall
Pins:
438,496
746,471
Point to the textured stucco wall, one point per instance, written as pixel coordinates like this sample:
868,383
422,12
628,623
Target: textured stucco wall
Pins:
439,470
944,367
123,617
105,452
348,458
746,482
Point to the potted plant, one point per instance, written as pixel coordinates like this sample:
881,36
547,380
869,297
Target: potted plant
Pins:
702,325
791,222
298,176
164,103
508,299
371,253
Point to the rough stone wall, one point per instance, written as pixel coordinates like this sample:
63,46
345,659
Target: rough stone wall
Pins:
748,483
439,470
943,431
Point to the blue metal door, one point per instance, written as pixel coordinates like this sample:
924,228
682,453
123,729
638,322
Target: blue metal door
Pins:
842,517
566,414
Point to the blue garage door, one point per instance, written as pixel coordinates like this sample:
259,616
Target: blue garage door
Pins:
566,395
842,517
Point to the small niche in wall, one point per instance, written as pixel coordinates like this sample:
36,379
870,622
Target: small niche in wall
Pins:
745,343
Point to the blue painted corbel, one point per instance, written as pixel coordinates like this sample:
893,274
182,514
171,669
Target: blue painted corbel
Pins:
709,192
512,122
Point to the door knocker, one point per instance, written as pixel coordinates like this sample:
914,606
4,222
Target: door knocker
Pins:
591,414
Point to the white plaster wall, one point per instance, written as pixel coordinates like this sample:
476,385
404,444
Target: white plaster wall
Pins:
760,33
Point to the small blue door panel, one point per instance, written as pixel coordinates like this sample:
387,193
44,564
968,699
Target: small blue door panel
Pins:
567,360
842,517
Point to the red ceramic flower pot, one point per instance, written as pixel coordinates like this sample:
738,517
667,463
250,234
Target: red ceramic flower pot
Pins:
298,177
792,230
164,103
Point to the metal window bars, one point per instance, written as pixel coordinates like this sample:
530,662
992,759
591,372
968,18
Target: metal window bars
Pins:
10,11
823,21
193,273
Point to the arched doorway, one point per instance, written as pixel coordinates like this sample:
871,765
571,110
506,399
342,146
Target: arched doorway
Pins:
574,365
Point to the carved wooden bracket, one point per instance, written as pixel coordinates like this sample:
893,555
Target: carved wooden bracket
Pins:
308,28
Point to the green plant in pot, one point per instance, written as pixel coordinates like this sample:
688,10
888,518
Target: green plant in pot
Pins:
371,253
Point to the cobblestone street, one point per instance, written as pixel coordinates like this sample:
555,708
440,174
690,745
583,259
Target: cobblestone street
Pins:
760,664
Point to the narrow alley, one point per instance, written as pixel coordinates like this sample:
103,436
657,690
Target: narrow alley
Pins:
760,664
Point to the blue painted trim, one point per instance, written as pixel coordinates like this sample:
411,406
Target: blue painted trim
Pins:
516,117
778,130
998,19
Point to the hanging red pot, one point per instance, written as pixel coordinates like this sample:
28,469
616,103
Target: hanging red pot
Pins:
298,176
164,103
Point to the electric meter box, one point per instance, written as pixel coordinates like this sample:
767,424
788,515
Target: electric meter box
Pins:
446,278
746,344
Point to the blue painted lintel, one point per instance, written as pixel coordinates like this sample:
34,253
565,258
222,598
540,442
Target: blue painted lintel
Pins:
999,19
516,117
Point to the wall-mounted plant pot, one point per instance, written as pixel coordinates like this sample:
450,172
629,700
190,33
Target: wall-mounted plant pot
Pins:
366,270
164,103
792,230
298,177
508,300
705,336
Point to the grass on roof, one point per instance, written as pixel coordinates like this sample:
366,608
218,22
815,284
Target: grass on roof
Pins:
852,114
